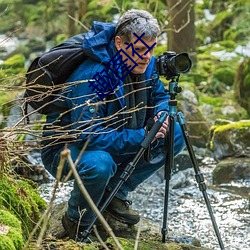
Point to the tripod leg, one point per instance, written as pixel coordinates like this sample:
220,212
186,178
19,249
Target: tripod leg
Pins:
199,177
129,169
168,173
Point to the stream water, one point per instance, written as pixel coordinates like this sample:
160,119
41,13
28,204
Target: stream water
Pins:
187,212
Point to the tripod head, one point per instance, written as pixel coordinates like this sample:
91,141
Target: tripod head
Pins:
174,89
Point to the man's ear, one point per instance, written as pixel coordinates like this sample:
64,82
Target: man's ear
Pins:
118,42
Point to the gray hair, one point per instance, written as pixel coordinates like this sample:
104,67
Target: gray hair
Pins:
139,22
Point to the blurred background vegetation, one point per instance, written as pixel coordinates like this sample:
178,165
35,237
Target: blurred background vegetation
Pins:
215,34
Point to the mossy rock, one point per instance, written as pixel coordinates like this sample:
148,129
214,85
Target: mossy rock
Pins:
22,200
128,244
150,235
10,231
231,169
219,107
232,139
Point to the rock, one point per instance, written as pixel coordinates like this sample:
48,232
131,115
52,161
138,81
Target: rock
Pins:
149,238
231,169
181,179
227,110
229,140
188,95
197,125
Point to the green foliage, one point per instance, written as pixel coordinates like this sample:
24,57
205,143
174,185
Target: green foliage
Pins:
229,23
160,49
242,84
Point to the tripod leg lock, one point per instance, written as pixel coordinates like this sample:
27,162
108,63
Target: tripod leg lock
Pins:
200,180
127,172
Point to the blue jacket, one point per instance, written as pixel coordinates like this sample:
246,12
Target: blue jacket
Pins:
105,132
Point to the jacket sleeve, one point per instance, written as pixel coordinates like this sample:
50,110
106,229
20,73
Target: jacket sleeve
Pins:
88,119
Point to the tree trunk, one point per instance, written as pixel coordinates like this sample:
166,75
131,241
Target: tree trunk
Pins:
83,7
72,13
181,27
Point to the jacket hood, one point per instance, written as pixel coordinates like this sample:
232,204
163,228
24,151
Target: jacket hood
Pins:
98,43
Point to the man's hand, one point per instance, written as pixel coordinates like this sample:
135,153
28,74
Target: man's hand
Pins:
164,128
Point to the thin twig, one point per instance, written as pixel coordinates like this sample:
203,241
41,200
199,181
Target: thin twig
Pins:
137,236
66,154
99,238
77,21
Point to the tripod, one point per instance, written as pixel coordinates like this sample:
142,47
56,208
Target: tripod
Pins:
129,169
173,90
169,163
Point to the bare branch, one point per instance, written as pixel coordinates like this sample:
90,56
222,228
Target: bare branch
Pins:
79,22
66,154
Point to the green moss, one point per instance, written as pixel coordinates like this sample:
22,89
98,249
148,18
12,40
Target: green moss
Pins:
22,200
13,238
225,75
236,125
13,71
9,219
228,45
128,244
219,102
6,243
12,67
16,61
212,100
16,237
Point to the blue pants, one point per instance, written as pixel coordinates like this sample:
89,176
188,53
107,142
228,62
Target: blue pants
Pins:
99,171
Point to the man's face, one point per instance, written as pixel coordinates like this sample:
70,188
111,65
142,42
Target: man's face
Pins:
140,48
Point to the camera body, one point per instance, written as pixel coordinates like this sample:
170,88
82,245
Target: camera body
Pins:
171,65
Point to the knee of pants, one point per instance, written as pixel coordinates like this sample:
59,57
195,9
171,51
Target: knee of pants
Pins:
179,142
98,165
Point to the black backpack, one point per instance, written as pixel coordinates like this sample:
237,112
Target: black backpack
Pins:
48,73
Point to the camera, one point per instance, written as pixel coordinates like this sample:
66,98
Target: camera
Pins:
171,65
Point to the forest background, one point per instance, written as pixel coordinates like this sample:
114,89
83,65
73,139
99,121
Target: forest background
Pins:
214,33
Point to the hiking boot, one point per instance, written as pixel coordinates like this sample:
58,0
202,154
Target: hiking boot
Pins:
75,231
121,211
